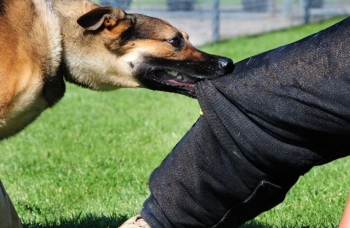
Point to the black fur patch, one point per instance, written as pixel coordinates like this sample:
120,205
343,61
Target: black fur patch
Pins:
54,88
2,7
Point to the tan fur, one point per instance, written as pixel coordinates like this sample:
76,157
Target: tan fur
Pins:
85,63
32,49
21,74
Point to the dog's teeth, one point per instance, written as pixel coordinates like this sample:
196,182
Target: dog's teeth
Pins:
173,73
176,74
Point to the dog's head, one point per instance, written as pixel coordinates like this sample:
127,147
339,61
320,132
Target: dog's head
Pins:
151,53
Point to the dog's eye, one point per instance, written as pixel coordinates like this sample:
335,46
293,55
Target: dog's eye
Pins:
175,42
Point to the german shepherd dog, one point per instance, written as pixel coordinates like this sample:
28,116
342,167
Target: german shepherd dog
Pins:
44,42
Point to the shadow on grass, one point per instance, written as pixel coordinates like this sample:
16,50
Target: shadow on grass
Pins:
114,221
93,221
86,221
256,224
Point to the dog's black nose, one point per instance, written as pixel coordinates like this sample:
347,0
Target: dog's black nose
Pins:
226,64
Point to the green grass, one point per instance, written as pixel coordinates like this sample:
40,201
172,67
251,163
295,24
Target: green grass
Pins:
86,162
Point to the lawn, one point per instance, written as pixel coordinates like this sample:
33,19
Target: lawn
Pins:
86,162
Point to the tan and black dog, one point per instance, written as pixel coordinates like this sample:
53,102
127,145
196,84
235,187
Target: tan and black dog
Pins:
44,42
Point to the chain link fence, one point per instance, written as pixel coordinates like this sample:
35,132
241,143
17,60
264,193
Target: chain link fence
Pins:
213,20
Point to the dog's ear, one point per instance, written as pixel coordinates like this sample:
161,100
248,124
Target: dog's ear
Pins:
107,16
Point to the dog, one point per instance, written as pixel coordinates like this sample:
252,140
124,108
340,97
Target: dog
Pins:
47,42
100,48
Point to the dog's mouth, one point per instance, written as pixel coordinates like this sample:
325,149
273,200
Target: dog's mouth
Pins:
171,81
175,78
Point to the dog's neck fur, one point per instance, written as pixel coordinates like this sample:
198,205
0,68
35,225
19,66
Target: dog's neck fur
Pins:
53,32
99,72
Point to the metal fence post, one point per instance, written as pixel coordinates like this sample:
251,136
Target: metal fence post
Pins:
307,11
287,8
216,21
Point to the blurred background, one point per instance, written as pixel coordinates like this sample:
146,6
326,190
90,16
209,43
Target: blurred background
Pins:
209,21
